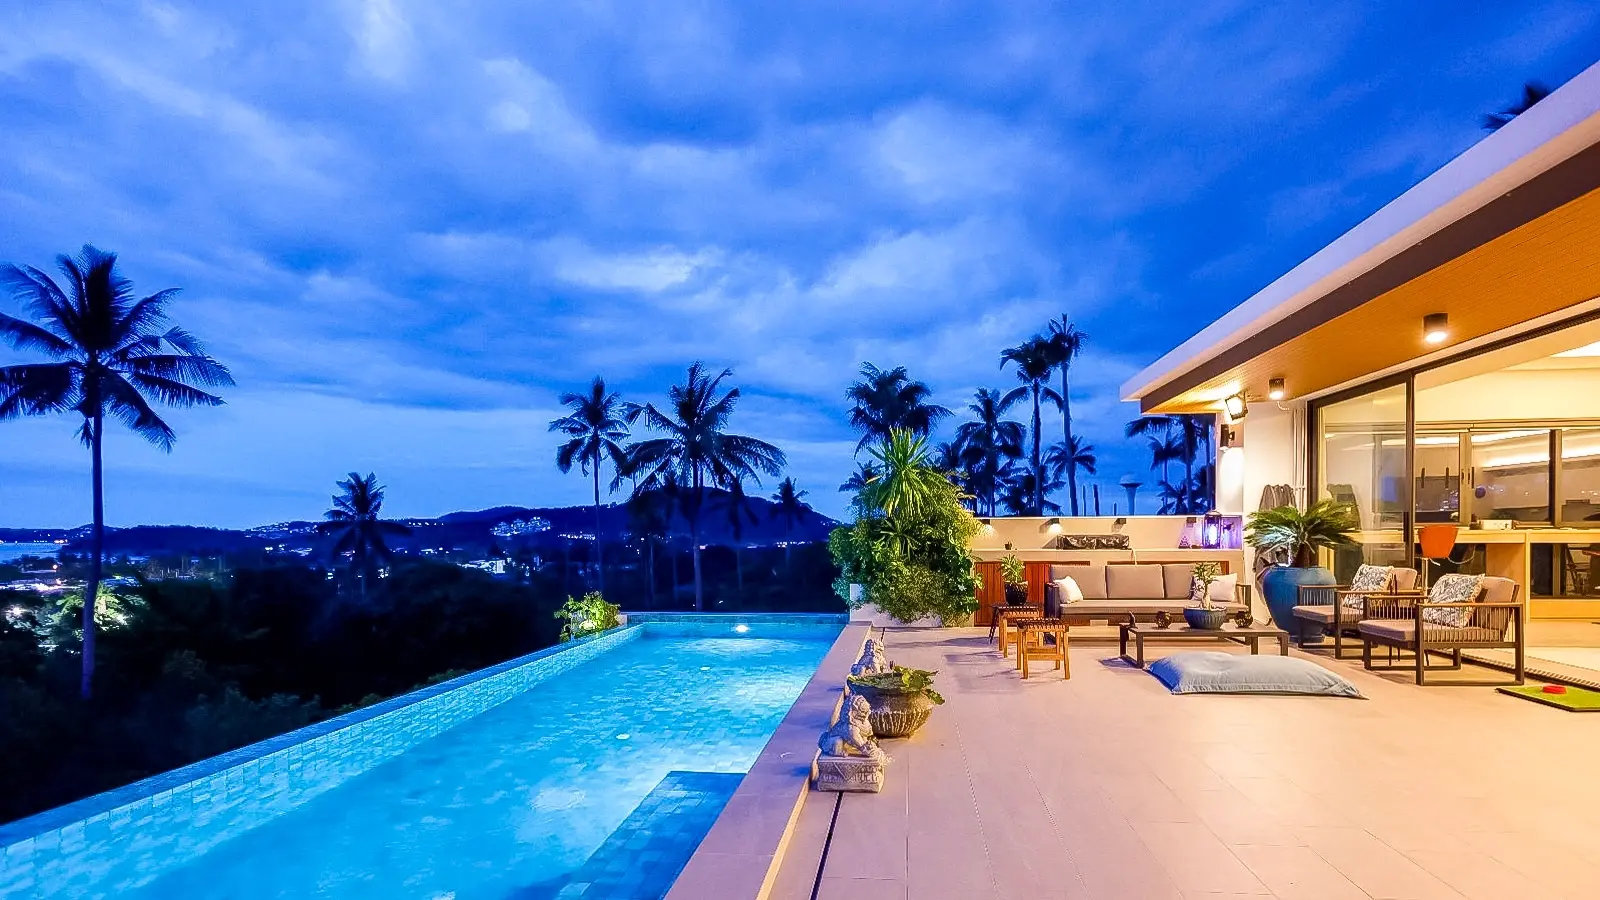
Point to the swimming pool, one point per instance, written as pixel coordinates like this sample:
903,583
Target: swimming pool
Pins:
606,773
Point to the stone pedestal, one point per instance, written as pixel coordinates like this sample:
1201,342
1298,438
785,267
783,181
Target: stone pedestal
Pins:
849,773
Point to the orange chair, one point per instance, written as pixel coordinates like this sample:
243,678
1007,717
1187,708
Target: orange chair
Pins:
1438,541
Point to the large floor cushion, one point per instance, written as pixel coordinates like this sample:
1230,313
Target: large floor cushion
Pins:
1214,672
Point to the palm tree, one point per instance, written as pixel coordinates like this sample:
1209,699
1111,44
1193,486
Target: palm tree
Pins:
698,450
1022,490
886,399
987,442
112,356
1532,92
736,504
909,477
1034,366
650,519
596,430
788,506
859,479
1067,458
357,529
1066,344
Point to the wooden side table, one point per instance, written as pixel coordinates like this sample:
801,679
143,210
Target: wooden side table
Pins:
1031,644
1005,617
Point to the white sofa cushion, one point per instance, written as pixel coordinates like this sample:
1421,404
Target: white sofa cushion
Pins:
1068,589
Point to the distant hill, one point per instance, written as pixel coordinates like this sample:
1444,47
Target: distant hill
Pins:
471,530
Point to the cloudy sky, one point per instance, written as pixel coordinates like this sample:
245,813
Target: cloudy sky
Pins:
408,224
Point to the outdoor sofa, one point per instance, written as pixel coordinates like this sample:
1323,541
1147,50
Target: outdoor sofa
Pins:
1118,592
1489,616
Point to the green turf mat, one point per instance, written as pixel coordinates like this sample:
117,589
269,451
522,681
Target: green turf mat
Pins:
1574,700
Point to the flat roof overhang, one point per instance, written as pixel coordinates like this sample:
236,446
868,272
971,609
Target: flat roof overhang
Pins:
1506,233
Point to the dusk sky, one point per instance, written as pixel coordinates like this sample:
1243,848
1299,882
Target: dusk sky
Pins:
407,225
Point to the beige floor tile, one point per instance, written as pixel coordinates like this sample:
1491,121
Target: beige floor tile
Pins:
1195,859
1374,866
870,889
1297,873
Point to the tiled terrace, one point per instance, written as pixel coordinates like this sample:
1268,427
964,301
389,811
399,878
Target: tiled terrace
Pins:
1107,786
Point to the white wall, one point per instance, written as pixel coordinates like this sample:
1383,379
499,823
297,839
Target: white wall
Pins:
1512,394
1271,453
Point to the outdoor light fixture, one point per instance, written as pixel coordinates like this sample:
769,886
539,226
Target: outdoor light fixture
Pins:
986,526
1275,389
1236,407
1053,526
1435,328
1211,532
1230,438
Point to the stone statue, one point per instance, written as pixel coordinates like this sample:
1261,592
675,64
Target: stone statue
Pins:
872,661
851,759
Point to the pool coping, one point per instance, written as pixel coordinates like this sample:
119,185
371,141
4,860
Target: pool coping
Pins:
739,858
146,788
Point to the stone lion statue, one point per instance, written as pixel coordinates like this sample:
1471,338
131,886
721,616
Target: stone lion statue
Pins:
852,734
872,660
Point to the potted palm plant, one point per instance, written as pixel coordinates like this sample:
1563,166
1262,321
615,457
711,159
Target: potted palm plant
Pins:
1016,579
902,699
1294,537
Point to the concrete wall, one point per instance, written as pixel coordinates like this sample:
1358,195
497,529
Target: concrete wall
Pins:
1029,532
1273,452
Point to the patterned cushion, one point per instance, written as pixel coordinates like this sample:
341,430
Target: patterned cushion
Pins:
1453,589
1369,580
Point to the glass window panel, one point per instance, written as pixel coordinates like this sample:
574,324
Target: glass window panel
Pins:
1438,489
1361,460
1510,474
1580,475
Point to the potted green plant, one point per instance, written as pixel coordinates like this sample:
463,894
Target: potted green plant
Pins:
1294,537
1016,579
1205,615
588,616
902,699
909,546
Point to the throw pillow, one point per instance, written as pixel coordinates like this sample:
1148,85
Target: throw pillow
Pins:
1453,589
1369,580
1068,590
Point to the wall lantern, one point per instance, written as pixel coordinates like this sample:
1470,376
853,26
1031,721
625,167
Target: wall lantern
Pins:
1235,407
1211,531
1436,328
1275,389
986,526
1230,438
1053,526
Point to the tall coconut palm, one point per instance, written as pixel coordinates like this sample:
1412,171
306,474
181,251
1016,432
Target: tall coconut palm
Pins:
1068,458
886,399
596,429
1033,360
113,355
988,442
358,530
1022,490
1066,344
650,520
789,507
699,451
859,479
1532,92
740,511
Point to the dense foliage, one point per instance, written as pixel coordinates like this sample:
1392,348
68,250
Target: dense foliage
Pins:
198,667
590,615
908,546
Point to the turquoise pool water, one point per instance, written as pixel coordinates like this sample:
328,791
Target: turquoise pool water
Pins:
513,802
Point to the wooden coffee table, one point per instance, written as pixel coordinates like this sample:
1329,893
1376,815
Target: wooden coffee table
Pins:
1250,636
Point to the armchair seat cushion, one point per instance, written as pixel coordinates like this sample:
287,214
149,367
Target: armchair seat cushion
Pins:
1324,615
1404,631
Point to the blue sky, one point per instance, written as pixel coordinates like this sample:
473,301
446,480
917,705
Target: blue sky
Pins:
408,225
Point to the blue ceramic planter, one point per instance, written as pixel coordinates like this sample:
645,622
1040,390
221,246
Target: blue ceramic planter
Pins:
1280,587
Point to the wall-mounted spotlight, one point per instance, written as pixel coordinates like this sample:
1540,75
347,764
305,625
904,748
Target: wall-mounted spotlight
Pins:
1230,438
1236,407
1436,328
1120,522
1053,526
985,526
1275,389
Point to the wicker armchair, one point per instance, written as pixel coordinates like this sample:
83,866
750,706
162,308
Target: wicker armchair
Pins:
1336,609
1496,623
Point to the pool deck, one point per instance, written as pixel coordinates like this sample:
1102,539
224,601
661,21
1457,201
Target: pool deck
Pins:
1107,786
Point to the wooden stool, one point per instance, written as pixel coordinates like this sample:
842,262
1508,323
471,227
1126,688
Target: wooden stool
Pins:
1003,619
1031,644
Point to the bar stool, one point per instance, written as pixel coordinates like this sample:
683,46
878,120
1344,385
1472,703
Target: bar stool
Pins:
1031,644
1004,618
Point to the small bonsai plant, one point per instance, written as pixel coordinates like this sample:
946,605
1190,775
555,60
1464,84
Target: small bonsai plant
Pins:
1297,536
591,615
901,680
1206,574
1016,579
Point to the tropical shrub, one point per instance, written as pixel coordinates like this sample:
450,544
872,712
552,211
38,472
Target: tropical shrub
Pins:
591,615
1297,535
908,547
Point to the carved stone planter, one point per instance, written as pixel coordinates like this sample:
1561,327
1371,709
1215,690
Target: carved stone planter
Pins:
849,773
895,714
